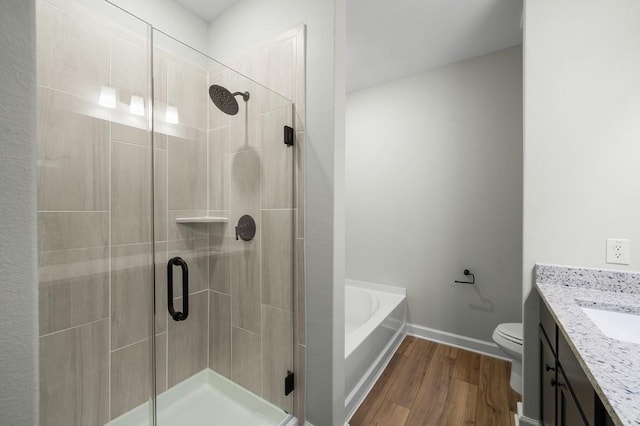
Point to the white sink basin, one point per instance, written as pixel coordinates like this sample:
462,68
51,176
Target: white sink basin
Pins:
617,325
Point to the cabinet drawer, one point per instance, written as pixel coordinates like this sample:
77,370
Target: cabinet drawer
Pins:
577,380
548,325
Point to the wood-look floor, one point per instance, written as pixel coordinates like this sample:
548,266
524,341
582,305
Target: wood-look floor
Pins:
427,383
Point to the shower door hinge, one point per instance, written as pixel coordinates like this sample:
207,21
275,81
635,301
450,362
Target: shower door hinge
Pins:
288,383
288,136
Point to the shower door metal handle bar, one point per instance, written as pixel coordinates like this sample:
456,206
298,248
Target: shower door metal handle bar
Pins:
178,316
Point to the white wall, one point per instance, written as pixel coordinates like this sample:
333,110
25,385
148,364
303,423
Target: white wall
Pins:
18,266
434,186
170,17
246,25
582,143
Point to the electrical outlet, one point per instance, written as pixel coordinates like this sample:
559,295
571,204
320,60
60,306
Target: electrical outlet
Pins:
618,251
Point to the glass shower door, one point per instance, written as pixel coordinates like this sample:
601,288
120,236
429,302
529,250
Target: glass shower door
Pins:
224,223
94,213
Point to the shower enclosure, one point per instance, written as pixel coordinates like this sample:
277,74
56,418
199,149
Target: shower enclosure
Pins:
165,226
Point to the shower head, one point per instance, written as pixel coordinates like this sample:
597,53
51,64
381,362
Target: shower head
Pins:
225,100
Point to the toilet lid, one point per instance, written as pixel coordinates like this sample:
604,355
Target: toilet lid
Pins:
511,331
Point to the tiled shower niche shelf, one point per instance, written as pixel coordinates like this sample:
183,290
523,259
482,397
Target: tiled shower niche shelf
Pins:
202,219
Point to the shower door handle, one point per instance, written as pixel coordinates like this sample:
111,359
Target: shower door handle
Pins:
178,316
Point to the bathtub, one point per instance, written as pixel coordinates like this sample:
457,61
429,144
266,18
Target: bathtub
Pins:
374,327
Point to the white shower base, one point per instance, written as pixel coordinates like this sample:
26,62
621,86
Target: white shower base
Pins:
210,399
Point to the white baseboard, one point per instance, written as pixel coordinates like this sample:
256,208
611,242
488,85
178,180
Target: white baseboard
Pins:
309,424
293,421
522,420
455,340
527,421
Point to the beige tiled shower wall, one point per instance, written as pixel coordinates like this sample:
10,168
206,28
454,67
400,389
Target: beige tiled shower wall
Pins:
257,287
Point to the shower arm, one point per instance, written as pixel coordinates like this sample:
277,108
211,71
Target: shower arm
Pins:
245,95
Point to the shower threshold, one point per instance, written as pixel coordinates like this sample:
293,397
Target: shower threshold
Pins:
210,399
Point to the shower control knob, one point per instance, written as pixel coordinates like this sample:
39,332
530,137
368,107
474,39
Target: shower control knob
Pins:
246,228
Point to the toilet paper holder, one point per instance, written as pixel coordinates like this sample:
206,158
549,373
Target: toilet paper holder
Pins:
468,273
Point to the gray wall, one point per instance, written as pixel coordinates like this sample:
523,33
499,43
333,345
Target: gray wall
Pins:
18,298
581,143
434,186
246,25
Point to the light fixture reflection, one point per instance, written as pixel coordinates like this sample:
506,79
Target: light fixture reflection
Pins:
107,97
136,107
171,116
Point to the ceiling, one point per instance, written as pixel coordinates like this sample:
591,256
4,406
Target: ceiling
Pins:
207,9
387,40
390,39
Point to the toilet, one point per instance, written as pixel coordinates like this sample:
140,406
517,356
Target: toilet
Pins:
508,337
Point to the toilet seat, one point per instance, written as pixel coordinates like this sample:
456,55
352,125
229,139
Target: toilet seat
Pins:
511,331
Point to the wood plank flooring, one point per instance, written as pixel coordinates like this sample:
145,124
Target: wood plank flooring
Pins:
428,383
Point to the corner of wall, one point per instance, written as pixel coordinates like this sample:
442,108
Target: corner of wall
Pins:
18,261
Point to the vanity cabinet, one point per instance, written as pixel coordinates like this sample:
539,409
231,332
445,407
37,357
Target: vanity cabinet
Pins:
567,398
548,394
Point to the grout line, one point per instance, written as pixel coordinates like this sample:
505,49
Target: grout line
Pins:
230,205
147,243
192,294
75,95
213,129
238,151
103,247
129,345
137,145
166,317
277,308
260,242
208,327
209,225
74,211
78,326
261,350
110,180
274,109
244,329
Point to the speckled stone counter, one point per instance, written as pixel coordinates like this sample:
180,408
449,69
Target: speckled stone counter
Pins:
612,366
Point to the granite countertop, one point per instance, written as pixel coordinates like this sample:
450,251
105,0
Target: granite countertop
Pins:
612,366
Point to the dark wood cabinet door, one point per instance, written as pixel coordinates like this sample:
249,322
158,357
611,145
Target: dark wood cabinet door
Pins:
547,381
568,412
581,387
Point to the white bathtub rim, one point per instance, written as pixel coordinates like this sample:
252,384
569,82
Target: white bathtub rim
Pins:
387,302
377,287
